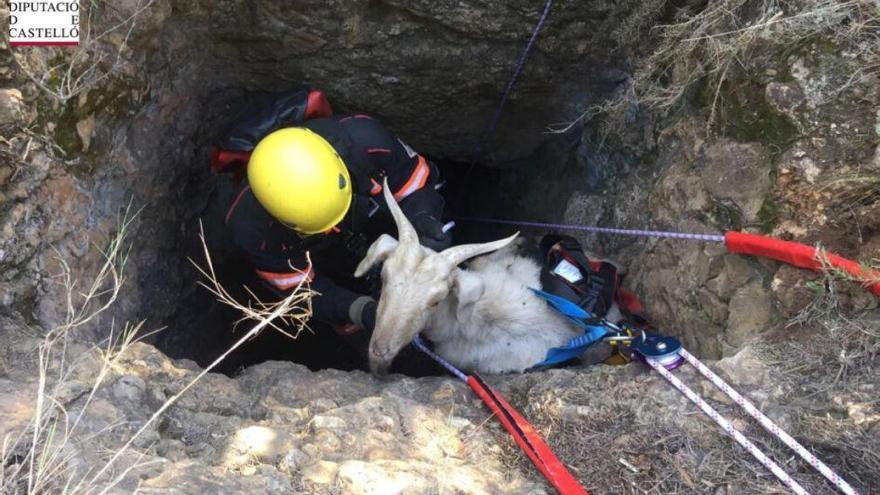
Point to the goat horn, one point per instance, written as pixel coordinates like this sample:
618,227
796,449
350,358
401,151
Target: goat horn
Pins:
406,234
459,254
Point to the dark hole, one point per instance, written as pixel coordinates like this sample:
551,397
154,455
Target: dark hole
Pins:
472,191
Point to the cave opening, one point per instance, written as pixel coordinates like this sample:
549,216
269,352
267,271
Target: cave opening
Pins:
202,334
508,180
439,109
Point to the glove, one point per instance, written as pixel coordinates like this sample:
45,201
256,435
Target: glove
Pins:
356,335
362,313
430,232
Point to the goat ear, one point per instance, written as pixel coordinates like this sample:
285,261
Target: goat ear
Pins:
468,289
381,249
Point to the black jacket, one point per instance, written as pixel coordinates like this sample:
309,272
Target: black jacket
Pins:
371,154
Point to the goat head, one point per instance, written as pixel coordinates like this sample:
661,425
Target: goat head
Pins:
415,280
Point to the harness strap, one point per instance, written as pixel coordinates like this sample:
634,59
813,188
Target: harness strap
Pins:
578,316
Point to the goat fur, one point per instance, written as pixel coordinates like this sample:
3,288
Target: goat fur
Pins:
484,318
509,328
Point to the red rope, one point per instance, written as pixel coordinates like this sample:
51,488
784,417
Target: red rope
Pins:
793,253
523,433
528,440
800,255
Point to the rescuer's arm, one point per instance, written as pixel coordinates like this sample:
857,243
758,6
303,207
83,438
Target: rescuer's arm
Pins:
411,177
413,180
283,268
331,303
424,209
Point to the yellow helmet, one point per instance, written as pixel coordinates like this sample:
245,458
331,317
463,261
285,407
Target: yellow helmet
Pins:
300,180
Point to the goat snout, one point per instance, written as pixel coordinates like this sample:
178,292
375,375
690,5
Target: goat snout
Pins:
380,359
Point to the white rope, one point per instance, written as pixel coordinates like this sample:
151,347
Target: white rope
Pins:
728,427
769,425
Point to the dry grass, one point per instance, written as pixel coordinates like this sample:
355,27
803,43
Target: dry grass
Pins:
255,309
711,44
38,458
868,274
616,452
833,359
44,456
853,189
611,450
826,364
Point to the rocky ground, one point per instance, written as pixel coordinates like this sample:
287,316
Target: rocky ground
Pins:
279,428
789,149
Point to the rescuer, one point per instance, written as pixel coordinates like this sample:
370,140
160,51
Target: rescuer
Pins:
311,183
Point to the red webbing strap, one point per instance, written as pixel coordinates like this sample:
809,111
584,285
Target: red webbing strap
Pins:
228,161
528,440
630,302
317,105
797,254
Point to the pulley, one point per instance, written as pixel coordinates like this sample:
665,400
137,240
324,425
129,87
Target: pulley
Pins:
661,348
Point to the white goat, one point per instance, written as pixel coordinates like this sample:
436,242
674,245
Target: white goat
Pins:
484,319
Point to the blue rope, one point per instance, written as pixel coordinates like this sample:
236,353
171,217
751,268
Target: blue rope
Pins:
496,117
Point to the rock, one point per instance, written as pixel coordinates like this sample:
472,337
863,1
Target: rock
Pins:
295,459
171,449
327,441
748,372
11,106
218,394
786,98
362,478
273,481
331,422
148,20
187,477
751,314
790,290
678,295
736,272
321,473
64,203
256,443
740,173
130,388
18,405
103,415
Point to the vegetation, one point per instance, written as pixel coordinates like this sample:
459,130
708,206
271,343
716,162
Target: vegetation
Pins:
41,456
709,45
